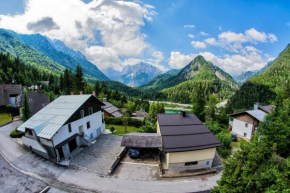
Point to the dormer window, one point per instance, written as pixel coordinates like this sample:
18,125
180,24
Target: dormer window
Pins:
30,132
90,110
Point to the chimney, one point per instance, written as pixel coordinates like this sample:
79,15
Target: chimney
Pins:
104,100
183,113
94,94
81,92
72,93
256,105
271,108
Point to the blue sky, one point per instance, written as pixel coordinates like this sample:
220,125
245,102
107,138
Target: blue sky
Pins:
235,35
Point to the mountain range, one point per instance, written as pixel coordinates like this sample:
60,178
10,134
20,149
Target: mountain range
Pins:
133,75
265,85
51,55
179,87
242,78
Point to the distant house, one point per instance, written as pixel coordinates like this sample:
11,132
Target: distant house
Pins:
140,115
8,92
186,143
245,123
63,125
110,110
37,101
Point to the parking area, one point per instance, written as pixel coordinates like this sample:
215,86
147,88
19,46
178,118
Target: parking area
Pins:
147,156
100,156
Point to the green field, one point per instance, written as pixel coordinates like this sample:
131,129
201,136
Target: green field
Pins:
173,111
5,118
120,129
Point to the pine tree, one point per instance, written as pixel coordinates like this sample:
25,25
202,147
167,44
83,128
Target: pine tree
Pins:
26,111
198,102
97,87
79,81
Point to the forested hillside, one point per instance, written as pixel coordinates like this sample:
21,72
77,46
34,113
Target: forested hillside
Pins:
212,79
153,84
263,87
37,50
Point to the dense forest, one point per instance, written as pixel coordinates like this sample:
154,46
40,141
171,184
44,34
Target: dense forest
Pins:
264,87
264,164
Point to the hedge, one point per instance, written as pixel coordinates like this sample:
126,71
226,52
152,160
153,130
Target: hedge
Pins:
14,111
119,121
16,134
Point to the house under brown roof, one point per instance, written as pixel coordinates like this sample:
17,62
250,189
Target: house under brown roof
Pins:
111,109
185,132
7,91
37,101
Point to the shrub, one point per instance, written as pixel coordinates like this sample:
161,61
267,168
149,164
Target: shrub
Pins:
120,121
16,134
112,129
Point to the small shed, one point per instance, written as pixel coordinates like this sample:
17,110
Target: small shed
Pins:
142,140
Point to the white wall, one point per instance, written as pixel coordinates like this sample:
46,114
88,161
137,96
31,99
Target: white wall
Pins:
95,120
46,142
240,128
12,101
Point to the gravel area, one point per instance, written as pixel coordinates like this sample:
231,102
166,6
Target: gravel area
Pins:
12,180
101,155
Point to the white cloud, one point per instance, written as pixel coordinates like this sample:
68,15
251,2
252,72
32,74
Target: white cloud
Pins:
178,60
189,26
198,44
190,35
132,61
232,37
203,33
114,24
220,28
211,41
288,24
233,64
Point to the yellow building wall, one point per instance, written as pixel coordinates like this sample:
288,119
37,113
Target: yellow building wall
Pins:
158,128
190,156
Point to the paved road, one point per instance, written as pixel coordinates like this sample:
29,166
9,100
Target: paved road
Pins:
72,180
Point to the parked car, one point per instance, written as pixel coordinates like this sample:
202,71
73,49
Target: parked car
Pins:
234,137
134,153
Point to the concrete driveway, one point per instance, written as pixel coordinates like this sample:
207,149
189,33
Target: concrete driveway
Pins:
100,156
88,181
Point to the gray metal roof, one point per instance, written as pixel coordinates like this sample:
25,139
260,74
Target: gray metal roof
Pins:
53,116
267,108
258,114
185,133
111,109
141,140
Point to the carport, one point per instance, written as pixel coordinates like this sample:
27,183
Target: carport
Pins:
141,140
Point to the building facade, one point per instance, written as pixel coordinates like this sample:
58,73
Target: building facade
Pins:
64,125
186,143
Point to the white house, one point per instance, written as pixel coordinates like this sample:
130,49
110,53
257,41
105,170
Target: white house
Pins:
65,124
245,123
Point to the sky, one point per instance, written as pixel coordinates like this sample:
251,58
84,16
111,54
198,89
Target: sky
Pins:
235,35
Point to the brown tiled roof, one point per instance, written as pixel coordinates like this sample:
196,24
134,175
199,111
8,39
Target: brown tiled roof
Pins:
141,140
185,133
111,109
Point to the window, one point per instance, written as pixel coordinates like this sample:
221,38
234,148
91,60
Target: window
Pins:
82,113
245,134
207,163
103,118
90,110
88,125
69,128
190,163
246,124
30,132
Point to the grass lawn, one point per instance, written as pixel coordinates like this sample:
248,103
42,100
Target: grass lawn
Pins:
5,118
120,129
236,144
